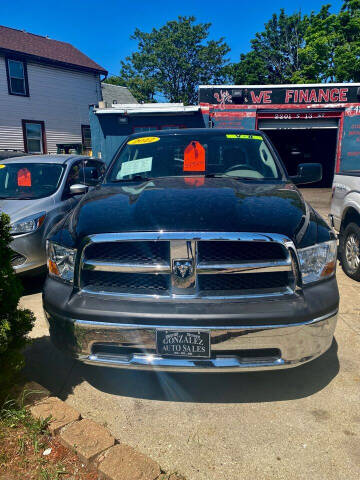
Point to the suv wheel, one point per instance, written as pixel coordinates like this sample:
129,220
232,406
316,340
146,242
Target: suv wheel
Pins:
350,251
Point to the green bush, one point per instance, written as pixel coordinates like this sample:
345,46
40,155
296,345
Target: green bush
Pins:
15,322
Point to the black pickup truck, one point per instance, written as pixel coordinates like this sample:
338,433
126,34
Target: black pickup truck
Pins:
197,252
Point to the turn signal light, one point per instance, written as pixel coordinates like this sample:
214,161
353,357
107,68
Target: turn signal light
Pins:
53,267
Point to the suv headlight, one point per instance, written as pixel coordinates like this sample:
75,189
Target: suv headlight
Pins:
28,224
61,261
318,262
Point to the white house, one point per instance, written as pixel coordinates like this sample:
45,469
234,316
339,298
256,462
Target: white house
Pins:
46,87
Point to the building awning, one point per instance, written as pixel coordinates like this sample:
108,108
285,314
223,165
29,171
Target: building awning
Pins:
147,109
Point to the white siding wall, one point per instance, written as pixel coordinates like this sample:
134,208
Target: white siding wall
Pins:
59,97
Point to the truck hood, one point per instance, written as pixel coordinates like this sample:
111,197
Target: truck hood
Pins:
193,204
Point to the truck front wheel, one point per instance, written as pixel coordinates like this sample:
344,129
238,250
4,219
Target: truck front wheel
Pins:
350,251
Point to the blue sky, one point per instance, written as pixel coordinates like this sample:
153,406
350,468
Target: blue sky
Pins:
101,29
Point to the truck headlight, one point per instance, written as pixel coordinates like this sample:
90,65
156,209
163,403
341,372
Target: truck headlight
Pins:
28,224
61,261
318,262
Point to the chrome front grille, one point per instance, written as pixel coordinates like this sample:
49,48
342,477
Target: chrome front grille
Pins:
115,281
147,252
239,282
230,251
194,265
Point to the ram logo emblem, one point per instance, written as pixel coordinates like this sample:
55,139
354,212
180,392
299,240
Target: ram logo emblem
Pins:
183,268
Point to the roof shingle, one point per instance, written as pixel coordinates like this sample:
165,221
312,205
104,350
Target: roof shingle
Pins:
116,94
25,43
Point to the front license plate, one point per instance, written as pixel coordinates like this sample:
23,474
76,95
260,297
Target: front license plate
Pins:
190,344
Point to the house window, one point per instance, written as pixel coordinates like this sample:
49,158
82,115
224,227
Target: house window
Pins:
17,77
34,136
86,137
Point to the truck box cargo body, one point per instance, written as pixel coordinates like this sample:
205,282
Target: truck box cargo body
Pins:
319,123
110,126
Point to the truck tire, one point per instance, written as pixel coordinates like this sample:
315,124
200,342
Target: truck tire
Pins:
350,251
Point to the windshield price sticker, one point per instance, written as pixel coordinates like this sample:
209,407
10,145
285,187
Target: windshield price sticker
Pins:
143,140
248,137
194,157
135,166
24,178
2,166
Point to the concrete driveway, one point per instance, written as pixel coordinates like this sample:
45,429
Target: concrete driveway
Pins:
302,423
320,198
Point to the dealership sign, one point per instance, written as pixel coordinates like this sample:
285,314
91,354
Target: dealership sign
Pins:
271,95
308,115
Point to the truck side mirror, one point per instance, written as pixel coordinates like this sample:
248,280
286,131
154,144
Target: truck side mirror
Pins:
307,173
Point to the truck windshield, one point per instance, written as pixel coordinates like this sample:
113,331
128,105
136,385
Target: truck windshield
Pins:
210,154
22,181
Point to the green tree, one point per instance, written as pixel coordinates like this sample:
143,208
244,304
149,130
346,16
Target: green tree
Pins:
332,50
170,62
15,322
252,70
142,87
274,55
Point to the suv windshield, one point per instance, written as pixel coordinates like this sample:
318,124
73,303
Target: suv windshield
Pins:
23,181
184,154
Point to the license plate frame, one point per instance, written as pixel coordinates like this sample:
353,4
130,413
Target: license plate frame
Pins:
186,344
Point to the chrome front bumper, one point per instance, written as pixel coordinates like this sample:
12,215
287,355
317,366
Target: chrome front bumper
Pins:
296,344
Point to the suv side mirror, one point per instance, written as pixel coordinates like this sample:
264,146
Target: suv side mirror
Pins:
308,173
78,189
93,172
91,176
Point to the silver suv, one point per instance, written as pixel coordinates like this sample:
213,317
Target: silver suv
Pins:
345,218
37,192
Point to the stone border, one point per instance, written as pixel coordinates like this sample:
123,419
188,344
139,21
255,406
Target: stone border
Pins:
92,442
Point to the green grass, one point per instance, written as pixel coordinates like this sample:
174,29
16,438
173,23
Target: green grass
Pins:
29,438
21,445
46,475
14,414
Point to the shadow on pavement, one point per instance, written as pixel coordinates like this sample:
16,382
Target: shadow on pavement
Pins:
60,374
33,284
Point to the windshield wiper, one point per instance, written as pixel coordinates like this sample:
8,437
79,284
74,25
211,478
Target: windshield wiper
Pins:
236,177
136,178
